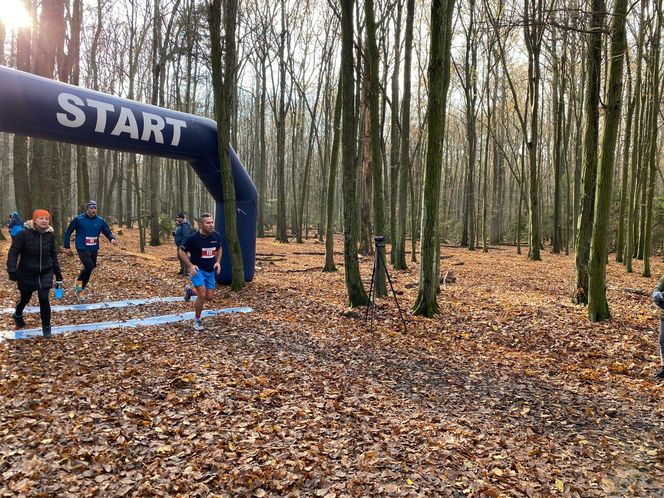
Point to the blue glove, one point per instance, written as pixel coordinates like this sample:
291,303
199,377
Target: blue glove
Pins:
658,299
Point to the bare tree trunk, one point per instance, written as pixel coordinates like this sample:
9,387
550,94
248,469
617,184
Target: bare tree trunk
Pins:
280,121
636,148
533,32
491,96
366,245
262,165
653,132
558,91
152,161
590,147
598,307
498,185
373,91
224,91
404,152
439,77
334,161
394,134
624,182
357,296
470,94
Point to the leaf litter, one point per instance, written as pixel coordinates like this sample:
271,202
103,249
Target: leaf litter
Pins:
509,391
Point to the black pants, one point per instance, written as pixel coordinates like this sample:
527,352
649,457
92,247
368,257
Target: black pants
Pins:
89,260
44,305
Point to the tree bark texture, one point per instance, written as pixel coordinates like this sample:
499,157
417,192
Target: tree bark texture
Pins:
439,79
357,295
590,148
598,307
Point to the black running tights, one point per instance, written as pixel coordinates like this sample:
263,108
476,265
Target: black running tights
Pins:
89,260
44,305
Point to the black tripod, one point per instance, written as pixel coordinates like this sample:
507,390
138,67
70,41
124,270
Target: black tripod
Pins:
379,260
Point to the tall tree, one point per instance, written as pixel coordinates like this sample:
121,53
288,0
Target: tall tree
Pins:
498,213
558,108
153,162
439,79
501,43
357,295
133,209
653,133
160,44
280,109
598,307
404,151
224,80
366,180
636,143
624,181
590,147
394,131
373,91
533,27
331,181
469,84
262,12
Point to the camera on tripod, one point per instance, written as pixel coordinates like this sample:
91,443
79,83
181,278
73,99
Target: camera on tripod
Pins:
379,259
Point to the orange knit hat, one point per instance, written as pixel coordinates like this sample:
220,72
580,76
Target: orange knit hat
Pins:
39,213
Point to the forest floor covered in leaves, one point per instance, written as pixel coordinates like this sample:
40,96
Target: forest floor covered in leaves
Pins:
510,391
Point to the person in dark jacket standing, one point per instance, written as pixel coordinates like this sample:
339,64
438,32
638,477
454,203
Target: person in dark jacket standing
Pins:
182,231
31,262
15,224
88,226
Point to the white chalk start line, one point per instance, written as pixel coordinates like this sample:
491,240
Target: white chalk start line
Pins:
137,322
98,306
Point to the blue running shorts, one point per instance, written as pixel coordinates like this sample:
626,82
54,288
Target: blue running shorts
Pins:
205,278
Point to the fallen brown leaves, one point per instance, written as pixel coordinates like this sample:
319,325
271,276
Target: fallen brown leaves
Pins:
510,391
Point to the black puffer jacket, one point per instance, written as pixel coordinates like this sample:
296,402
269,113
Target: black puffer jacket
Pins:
32,259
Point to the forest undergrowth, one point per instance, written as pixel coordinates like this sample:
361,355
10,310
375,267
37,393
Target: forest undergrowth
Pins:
509,391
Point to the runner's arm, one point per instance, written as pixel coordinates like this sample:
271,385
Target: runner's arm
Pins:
67,235
217,262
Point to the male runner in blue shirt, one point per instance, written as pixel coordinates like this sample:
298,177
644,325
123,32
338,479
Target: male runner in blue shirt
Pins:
88,227
201,252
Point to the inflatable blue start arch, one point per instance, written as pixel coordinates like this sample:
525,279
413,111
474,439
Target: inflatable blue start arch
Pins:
38,107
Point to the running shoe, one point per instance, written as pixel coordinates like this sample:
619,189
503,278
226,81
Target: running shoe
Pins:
198,324
187,293
18,321
78,290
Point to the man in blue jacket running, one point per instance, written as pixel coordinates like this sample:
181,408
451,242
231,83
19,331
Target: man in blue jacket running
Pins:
87,226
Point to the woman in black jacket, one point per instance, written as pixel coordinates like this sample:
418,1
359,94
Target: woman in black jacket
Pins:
31,262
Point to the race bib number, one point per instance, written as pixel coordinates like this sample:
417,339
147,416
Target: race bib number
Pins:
208,252
91,241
